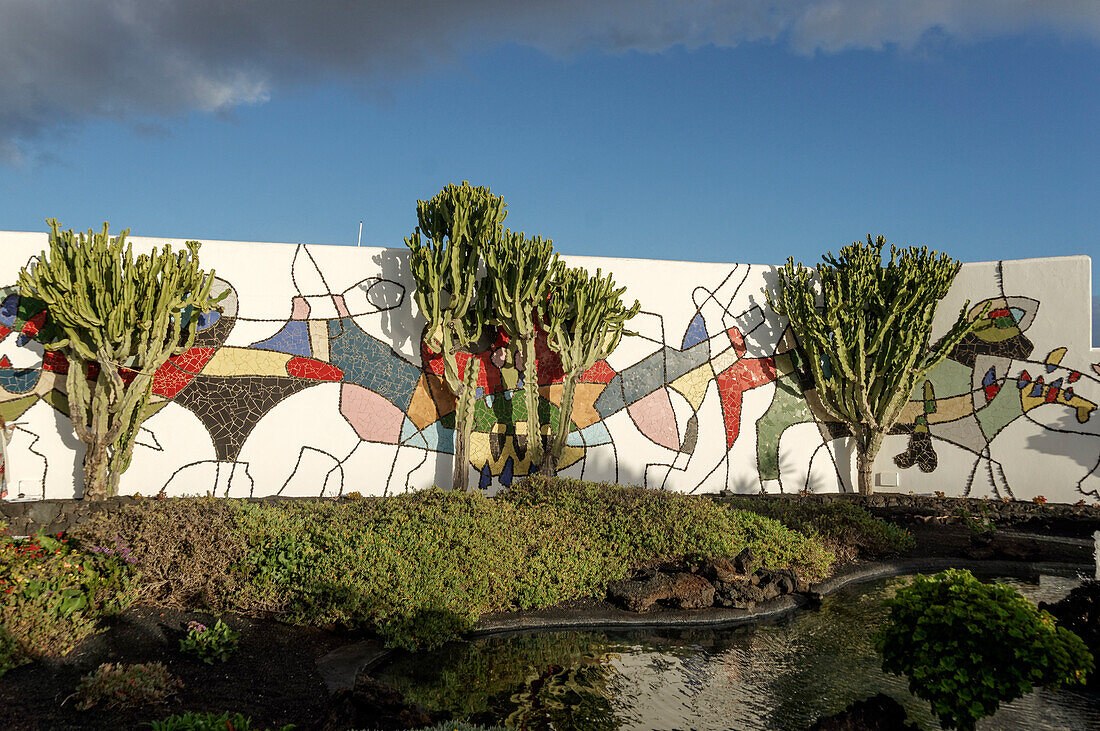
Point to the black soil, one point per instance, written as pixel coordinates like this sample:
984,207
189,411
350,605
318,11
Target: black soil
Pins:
271,677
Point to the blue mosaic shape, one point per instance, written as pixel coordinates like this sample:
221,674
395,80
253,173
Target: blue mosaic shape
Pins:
293,339
610,400
411,436
19,380
507,473
9,309
592,435
435,438
486,477
367,361
696,332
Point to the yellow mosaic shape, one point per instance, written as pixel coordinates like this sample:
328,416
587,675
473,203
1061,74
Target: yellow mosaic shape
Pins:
230,361
693,385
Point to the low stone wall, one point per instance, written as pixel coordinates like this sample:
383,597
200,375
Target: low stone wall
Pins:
1004,513
58,516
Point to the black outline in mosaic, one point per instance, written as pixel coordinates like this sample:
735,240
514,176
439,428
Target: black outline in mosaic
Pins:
298,463
218,465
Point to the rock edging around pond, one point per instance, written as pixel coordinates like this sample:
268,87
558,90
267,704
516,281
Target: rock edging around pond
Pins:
340,667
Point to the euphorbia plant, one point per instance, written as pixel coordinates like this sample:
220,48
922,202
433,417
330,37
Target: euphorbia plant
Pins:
585,319
519,271
445,251
116,318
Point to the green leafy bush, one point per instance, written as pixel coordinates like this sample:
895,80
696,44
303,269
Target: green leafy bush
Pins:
210,643
848,530
114,685
192,721
52,594
10,656
422,568
966,646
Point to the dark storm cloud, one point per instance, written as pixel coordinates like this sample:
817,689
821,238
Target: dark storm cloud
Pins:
63,62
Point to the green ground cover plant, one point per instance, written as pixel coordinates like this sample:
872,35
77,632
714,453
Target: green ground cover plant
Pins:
52,593
848,530
967,647
192,721
422,568
210,643
119,685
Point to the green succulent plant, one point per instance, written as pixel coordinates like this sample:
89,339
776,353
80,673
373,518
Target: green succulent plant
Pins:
585,319
455,227
519,272
122,316
863,332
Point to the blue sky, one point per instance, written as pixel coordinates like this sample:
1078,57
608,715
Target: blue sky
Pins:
685,130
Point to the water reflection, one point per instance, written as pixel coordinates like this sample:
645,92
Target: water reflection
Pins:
774,676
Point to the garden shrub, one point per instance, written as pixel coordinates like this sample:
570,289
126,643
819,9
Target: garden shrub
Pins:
210,643
184,548
848,530
966,646
423,567
115,685
192,721
52,594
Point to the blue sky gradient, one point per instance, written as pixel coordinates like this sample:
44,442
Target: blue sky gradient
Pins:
983,147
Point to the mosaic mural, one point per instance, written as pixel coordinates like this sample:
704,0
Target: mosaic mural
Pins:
313,381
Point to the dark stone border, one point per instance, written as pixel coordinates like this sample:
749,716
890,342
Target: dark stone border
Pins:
56,516
340,667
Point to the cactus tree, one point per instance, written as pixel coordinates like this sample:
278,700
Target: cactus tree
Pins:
866,345
585,319
445,251
519,272
119,317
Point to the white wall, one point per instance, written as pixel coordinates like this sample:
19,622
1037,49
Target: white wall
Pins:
251,422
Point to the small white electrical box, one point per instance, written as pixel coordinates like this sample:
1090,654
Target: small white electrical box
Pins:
887,479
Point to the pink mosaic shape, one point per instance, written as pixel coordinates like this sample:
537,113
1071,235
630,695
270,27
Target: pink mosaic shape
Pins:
655,419
372,417
299,309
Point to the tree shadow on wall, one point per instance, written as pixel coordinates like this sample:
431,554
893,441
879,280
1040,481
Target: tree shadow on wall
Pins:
762,340
1067,437
399,325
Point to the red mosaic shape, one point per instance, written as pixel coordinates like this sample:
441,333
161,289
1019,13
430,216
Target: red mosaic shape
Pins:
34,324
4,331
600,372
488,376
737,340
179,370
55,362
314,369
991,391
4,362
744,375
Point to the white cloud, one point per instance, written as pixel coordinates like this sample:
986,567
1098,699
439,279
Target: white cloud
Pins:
66,61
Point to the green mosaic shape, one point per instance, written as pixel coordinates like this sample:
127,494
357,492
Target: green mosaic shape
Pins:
506,411
12,410
949,378
1005,408
788,408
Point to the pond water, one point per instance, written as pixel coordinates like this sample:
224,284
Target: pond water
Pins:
781,675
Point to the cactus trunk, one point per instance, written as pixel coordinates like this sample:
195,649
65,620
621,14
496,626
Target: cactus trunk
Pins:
565,423
531,399
464,424
868,451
